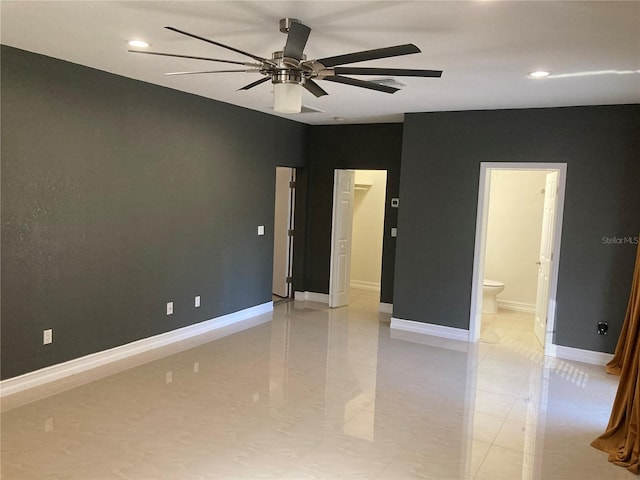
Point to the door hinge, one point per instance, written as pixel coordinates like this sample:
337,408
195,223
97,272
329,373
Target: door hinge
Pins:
292,184
288,279
290,232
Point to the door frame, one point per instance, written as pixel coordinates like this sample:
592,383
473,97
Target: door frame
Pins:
333,224
484,186
290,228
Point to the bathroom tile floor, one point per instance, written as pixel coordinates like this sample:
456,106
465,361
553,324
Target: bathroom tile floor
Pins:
319,393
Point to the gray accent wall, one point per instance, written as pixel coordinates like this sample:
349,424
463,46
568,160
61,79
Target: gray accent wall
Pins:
366,147
441,160
119,196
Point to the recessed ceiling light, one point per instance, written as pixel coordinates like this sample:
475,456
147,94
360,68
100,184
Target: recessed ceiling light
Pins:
539,74
138,44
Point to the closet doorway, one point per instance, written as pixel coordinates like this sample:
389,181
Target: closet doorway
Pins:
357,233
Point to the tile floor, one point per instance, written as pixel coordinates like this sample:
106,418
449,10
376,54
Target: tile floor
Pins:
323,394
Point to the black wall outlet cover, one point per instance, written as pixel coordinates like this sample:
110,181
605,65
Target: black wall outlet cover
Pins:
602,328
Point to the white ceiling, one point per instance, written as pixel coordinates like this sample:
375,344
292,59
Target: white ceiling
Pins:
486,49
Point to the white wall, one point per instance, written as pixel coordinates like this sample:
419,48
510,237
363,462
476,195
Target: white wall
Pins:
368,229
513,234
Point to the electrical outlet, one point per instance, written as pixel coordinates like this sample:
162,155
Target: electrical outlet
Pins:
47,336
169,308
196,367
168,377
394,232
48,424
602,328
196,302
260,229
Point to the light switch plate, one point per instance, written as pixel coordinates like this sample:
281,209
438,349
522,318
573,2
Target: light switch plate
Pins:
169,308
47,336
394,232
196,302
260,229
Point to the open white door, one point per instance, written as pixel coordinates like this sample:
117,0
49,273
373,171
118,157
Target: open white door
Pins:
343,192
282,241
546,255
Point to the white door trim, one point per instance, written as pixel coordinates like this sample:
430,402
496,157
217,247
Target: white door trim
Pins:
292,227
475,317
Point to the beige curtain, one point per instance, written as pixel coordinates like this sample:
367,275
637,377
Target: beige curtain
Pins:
621,440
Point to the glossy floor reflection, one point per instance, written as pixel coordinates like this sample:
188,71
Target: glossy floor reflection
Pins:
327,394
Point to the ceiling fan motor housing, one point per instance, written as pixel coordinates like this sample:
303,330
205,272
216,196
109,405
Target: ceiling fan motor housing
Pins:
287,70
288,76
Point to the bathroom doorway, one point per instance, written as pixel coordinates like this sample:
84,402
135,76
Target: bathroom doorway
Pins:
518,231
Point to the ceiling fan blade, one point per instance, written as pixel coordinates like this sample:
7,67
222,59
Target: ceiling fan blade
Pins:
356,57
314,88
296,40
254,70
399,72
361,83
197,58
255,57
255,84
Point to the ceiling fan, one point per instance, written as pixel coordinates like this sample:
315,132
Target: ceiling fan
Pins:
290,71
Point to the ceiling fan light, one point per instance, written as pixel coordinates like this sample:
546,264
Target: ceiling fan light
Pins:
539,74
287,97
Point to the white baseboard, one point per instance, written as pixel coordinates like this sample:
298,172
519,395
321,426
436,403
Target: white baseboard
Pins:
312,297
368,286
225,324
385,307
580,355
430,329
517,306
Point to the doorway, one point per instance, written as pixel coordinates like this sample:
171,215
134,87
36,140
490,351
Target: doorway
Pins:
546,257
357,233
283,232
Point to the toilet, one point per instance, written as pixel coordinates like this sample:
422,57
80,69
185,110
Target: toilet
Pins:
490,289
